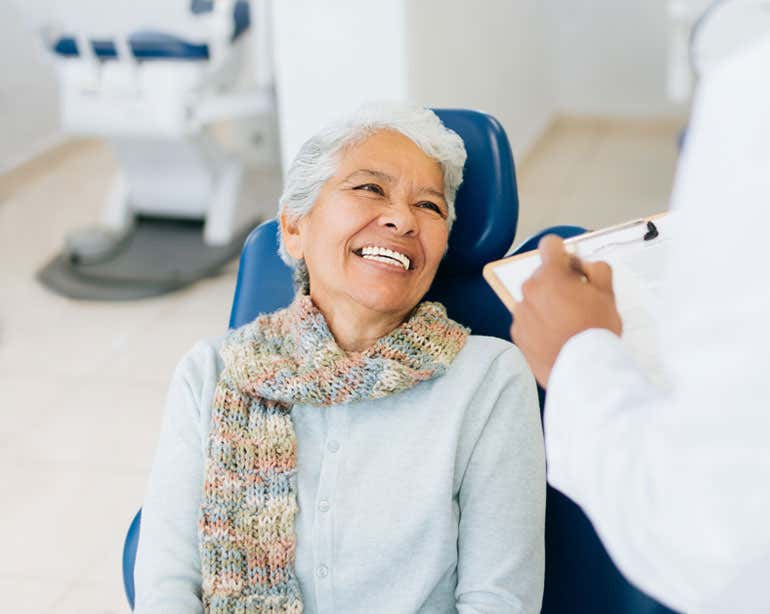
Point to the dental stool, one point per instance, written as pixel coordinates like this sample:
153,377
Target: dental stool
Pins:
580,577
153,78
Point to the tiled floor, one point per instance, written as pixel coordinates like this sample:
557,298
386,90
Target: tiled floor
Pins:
82,384
594,173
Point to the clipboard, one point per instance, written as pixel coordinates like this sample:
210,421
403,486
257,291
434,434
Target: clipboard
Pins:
506,275
638,277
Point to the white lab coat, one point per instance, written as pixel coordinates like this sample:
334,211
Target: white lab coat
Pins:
677,483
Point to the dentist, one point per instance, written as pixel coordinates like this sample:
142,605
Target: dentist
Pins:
676,482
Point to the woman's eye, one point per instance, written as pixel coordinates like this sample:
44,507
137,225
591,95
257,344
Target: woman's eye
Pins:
426,204
371,187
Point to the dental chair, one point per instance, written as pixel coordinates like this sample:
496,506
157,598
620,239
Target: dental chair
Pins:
580,578
155,78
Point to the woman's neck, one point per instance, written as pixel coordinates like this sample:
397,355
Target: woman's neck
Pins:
355,327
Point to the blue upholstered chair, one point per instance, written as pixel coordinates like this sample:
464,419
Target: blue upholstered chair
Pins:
565,232
580,578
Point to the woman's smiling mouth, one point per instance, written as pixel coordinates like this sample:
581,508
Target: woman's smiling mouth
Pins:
385,255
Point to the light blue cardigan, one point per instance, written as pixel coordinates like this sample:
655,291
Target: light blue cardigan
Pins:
430,500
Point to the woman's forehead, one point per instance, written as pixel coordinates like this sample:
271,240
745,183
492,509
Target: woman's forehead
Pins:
390,155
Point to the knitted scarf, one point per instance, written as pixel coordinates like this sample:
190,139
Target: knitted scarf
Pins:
246,524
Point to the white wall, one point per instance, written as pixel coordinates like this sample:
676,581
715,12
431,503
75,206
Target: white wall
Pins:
486,55
29,109
332,56
610,57
521,60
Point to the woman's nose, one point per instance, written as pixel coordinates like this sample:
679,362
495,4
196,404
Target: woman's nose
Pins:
401,218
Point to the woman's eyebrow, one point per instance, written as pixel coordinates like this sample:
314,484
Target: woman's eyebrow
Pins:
384,177
432,192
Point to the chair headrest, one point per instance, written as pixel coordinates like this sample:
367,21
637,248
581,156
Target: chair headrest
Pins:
487,203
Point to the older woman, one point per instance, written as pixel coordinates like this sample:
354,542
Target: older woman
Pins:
357,451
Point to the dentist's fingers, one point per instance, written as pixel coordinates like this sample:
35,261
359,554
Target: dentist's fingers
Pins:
553,253
600,275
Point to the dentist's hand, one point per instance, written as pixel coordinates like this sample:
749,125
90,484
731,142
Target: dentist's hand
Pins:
564,297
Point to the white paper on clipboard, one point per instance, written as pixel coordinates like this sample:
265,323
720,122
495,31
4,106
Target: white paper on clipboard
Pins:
638,274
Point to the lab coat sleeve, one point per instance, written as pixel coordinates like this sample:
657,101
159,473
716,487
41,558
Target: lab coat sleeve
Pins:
665,478
502,497
601,453
167,571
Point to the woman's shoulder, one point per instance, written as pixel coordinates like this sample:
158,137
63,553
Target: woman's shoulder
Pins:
193,385
480,353
486,366
491,383
202,362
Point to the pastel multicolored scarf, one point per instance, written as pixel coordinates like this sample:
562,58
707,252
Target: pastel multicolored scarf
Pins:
246,527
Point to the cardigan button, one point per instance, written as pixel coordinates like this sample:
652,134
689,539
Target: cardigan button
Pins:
323,505
333,446
322,571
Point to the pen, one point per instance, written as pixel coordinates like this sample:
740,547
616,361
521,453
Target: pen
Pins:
577,266
575,263
570,245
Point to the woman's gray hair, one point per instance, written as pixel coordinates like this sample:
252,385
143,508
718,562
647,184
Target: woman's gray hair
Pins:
317,160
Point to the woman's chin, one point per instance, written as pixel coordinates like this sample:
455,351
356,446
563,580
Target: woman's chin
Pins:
385,301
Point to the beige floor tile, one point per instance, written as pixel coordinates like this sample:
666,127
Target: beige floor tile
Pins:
47,334
90,423
547,172
44,165
92,598
99,589
61,517
634,167
26,404
594,173
31,595
36,214
195,313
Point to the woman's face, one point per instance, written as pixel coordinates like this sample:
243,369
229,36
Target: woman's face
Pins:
378,230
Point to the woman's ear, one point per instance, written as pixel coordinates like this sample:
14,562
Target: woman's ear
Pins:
292,236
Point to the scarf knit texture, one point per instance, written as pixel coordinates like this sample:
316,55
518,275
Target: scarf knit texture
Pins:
246,524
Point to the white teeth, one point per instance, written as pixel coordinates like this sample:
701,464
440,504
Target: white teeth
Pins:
383,254
380,259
